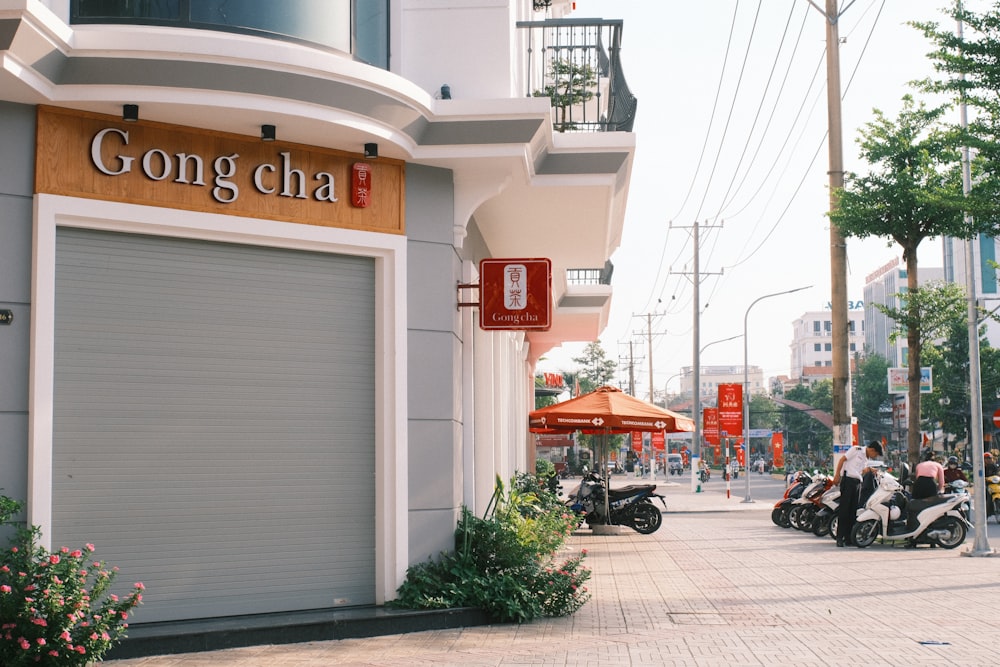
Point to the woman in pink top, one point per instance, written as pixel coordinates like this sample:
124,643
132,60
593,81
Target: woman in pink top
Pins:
930,477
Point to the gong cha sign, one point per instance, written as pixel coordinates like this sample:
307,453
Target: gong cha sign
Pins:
515,294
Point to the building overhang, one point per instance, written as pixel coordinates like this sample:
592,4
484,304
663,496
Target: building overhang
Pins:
532,192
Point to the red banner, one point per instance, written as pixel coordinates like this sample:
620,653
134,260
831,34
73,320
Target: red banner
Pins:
710,425
637,441
731,409
778,445
658,440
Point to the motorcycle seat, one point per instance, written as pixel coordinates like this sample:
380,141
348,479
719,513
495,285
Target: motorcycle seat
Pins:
631,489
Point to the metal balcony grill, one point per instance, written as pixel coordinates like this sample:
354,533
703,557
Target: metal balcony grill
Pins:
575,63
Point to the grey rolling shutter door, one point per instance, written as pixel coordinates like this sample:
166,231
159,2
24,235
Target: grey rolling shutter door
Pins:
214,421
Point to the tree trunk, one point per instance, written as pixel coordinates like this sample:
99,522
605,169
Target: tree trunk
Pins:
913,435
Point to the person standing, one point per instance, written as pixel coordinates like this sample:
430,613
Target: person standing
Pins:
851,467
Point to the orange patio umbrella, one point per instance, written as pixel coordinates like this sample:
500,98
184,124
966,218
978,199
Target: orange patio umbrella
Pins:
606,410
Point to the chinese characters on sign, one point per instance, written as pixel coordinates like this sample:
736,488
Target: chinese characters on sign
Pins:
731,408
515,294
361,184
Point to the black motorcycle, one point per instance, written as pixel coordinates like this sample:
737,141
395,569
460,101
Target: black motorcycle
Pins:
630,505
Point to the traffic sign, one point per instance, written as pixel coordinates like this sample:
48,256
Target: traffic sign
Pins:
996,418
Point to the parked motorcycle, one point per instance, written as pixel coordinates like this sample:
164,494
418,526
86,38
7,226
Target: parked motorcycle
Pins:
779,515
804,508
993,496
889,513
827,514
630,505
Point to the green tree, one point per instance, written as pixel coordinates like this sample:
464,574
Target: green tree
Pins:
570,84
912,192
596,369
872,400
804,432
970,73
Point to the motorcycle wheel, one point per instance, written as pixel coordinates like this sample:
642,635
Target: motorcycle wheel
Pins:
864,533
646,518
795,516
834,522
806,515
956,533
783,517
821,525
996,509
776,516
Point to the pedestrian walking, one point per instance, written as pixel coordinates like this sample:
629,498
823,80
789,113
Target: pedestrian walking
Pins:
851,468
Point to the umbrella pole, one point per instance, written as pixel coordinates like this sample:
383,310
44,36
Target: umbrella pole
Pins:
607,478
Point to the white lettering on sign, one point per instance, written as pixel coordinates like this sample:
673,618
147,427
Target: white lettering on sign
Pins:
189,169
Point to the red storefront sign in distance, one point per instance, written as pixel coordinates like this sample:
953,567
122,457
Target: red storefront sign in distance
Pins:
515,294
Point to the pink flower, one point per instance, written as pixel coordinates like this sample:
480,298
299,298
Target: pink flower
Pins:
54,653
40,621
140,586
89,546
76,554
80,650
41,641
64,550
65,636
23,643
5,589
54,559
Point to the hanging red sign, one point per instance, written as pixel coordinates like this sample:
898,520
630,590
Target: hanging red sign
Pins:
731,408
658,440
637,441
515,294
710,425
361,184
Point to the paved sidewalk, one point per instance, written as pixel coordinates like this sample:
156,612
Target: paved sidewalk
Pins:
718,584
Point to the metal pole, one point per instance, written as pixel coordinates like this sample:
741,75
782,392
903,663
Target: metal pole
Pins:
838,245
696,371
981,544
746,387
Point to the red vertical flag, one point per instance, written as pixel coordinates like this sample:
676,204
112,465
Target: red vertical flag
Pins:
710,425
731,408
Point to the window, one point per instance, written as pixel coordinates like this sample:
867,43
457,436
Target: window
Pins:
330,23
818,363
853,348
816,326
828,326
829,363
828,347
817,347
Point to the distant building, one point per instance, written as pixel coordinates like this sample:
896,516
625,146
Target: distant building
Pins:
713,376
812,342
881,288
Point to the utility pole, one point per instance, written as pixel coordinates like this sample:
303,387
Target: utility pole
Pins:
696,361
842,410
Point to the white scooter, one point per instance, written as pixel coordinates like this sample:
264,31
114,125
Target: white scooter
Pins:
939,520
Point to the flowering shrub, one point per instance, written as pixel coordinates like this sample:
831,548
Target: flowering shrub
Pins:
56,608
505,563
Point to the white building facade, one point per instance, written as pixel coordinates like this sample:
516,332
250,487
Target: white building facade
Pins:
812,339
882,287
231,245
712,376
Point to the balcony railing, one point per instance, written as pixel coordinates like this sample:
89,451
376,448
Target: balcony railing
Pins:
575,63
590,276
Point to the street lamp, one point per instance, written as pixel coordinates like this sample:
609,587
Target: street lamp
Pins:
746,388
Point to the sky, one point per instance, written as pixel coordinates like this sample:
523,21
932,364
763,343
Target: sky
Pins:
731,132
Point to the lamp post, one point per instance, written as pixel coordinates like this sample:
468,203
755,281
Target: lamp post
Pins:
746,387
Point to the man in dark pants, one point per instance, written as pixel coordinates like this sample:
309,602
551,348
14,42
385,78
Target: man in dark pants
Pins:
851,468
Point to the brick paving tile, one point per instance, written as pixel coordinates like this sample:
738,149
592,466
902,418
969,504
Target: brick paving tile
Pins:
717,584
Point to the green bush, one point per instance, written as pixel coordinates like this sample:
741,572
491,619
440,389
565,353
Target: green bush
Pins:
505,563
56,608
